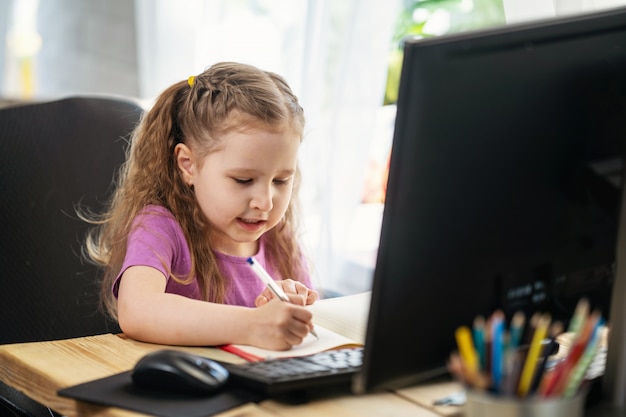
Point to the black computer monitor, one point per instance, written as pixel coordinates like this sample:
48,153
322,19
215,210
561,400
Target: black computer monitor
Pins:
504,186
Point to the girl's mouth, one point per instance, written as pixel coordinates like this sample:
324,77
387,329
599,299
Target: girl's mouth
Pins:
251,225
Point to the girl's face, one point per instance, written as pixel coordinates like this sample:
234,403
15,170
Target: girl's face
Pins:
244,188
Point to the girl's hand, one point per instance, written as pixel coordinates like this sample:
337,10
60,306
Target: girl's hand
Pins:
297,293
279,325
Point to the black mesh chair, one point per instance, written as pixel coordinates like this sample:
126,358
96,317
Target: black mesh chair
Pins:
54,156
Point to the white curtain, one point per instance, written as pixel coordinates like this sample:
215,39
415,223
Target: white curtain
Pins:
334,55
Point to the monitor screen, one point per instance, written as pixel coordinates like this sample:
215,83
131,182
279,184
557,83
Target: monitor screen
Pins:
504,186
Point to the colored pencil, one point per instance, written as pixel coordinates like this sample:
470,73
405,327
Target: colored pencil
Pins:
466,349
497,350
530,364
478,331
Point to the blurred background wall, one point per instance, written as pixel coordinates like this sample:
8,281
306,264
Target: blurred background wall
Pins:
341,57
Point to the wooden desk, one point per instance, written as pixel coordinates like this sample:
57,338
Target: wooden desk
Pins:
40,369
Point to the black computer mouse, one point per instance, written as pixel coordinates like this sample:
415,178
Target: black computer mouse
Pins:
178,372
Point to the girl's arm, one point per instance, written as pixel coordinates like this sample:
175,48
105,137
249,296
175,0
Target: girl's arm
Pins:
147,313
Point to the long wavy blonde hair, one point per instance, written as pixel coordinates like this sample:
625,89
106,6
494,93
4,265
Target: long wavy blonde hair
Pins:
198,112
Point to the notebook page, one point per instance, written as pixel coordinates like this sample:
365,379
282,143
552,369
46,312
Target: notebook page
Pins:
345,315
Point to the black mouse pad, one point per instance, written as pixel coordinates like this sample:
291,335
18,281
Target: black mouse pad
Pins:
119,391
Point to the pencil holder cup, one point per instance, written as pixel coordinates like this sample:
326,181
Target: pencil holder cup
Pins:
483,404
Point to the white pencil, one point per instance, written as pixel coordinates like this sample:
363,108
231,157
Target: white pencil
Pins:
270,283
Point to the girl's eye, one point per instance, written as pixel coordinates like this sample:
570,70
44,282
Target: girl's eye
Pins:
277,181
281,181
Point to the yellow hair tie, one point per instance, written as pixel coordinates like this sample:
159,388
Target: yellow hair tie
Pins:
191,80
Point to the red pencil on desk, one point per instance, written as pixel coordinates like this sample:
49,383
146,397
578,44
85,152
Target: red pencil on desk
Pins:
241,353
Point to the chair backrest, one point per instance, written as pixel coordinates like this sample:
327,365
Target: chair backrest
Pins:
53,157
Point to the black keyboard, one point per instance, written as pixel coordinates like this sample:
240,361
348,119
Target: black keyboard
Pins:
277,376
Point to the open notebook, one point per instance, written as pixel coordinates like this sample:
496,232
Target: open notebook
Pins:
339,322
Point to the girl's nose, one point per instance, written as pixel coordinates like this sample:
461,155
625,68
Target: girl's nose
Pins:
262,199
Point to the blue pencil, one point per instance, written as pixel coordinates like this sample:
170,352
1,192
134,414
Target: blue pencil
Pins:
497,349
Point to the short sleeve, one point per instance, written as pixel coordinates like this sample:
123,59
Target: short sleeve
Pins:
156,240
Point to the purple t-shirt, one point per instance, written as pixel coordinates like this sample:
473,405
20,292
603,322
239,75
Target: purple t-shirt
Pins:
157,240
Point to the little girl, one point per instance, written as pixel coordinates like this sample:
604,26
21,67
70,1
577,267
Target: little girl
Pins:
210,180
